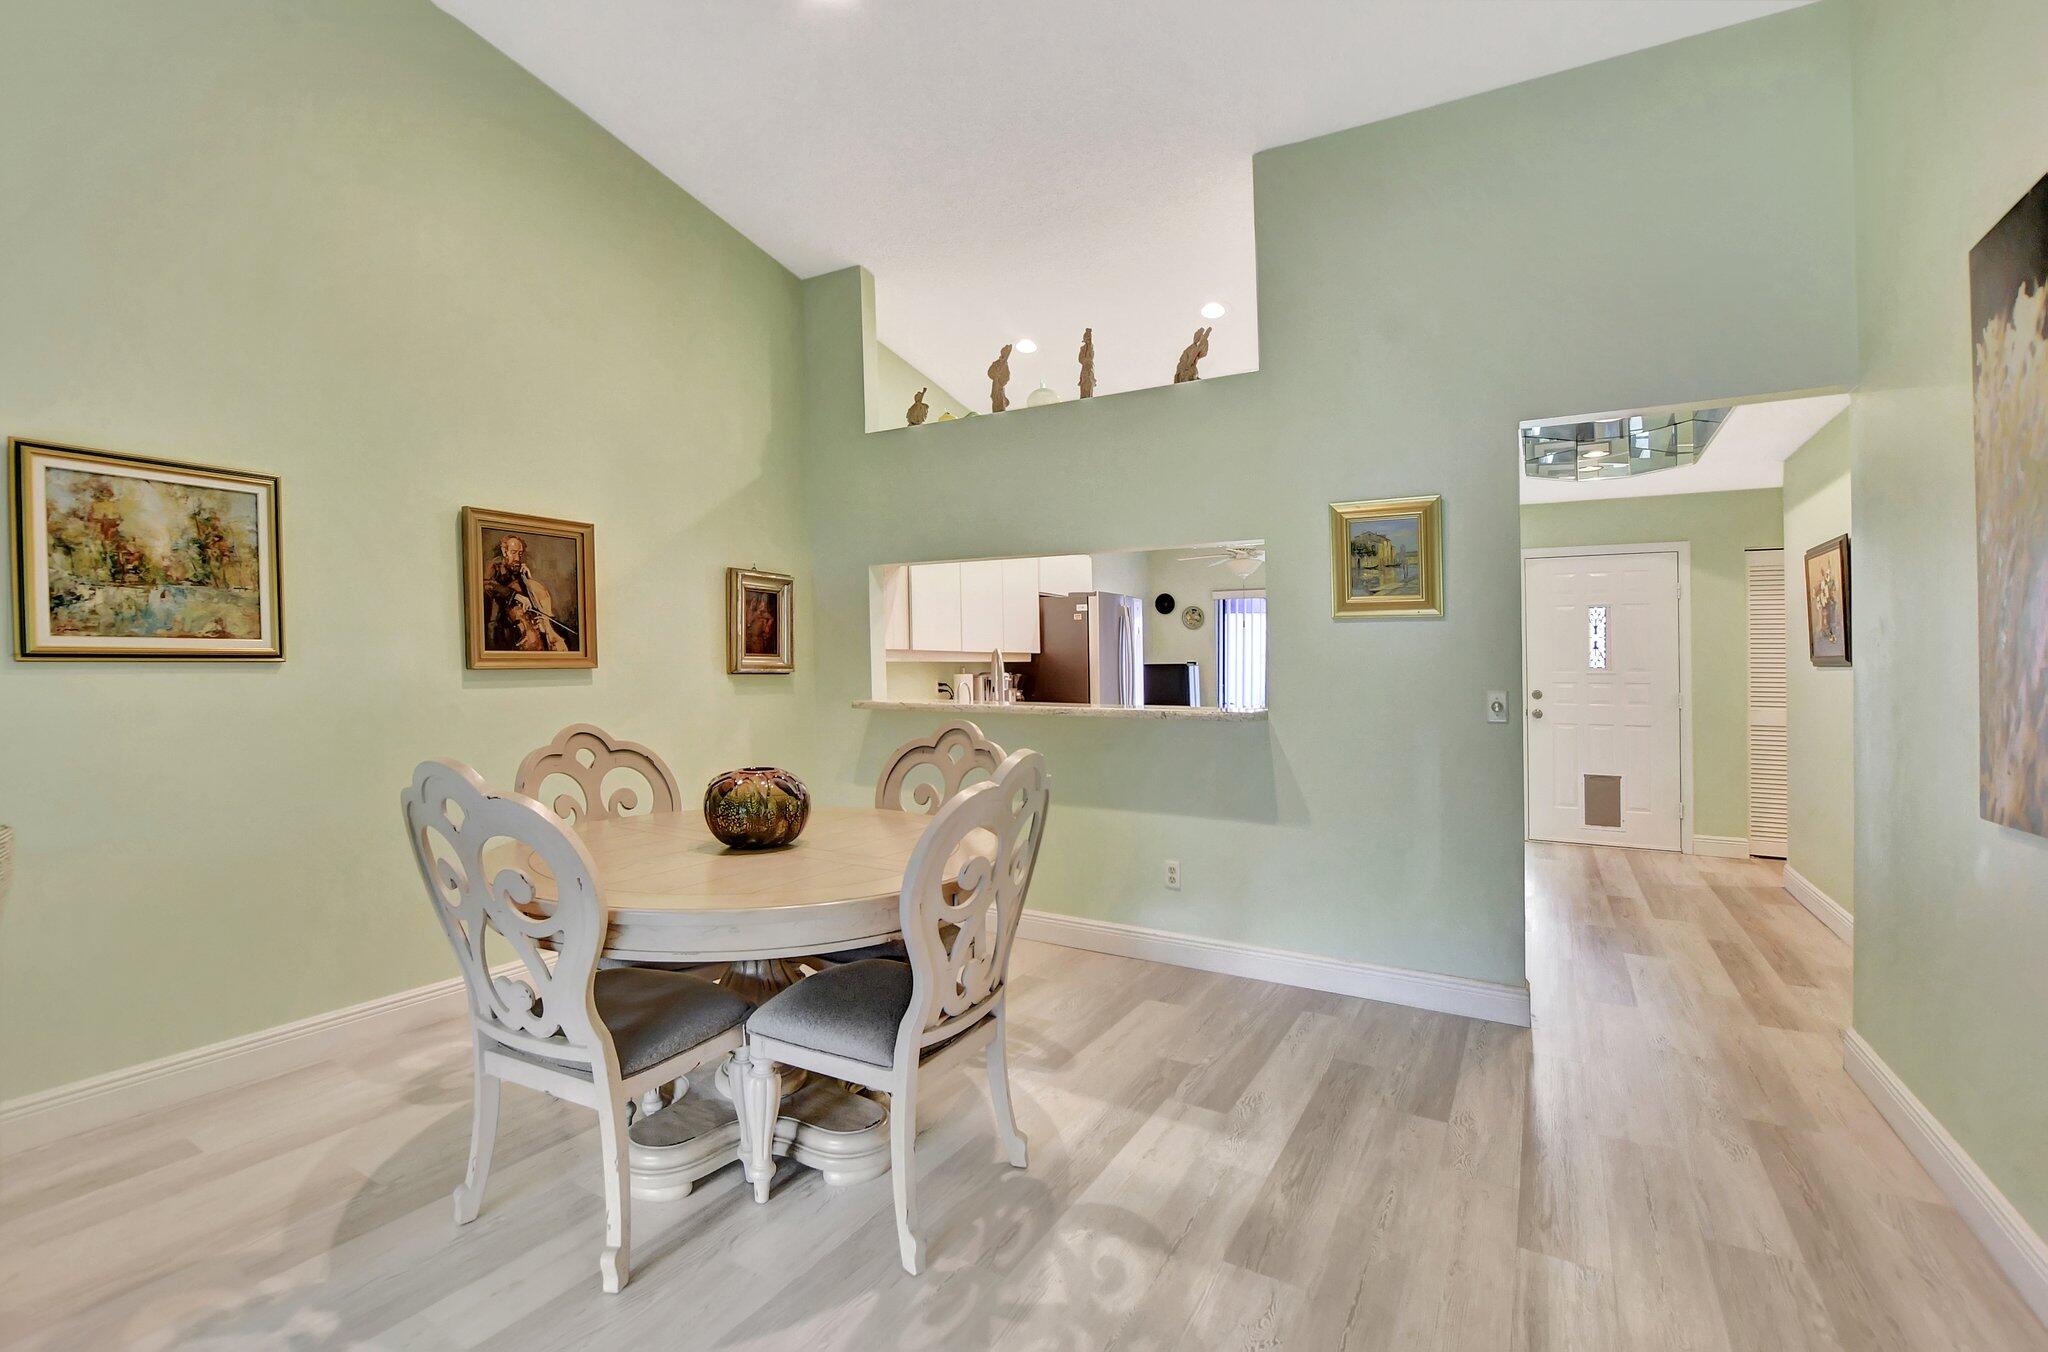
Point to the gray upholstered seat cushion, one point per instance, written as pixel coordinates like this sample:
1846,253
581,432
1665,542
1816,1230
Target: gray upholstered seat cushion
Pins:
654,1015
851,1010
889,949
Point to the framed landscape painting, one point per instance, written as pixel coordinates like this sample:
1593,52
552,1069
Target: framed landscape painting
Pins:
2009,395
760,621
529,589
1827,603
128,558
1387,558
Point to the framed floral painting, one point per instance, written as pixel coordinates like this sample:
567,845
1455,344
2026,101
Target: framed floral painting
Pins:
1827,603
2009,394
130,558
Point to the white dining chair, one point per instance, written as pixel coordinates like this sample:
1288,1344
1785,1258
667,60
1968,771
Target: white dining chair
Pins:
589,758
885,1025
955,754
600,1038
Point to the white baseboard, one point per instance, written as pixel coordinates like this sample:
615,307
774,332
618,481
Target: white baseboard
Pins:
152,1086
1488,1000
1825,908
2019,1252
1721,847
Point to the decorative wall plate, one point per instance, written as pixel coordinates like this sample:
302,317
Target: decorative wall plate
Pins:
1163,603
1192,617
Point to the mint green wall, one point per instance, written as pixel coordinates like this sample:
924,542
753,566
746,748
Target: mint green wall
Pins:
353,245
1951,911
1820,702
1419,296
896,383
1719,527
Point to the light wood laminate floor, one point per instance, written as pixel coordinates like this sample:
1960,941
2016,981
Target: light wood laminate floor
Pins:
1673,1159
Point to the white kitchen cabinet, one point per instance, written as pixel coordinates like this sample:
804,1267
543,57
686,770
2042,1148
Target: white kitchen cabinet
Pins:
949,610
935,607
896,608
1065,574
1020,605
981,605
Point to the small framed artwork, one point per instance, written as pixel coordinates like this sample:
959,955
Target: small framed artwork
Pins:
1827,603
1387,558
529,590
760,623
128,558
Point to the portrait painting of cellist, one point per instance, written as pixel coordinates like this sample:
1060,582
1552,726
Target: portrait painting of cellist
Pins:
528,586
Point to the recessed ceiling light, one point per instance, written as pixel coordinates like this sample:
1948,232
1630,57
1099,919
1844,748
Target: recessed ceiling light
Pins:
1214,310
1026,345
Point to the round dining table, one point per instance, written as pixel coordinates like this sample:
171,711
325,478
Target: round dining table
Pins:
678,896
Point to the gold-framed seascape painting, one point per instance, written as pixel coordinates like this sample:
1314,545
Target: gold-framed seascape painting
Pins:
2009,398
123,557
760,623
1387,558
529,591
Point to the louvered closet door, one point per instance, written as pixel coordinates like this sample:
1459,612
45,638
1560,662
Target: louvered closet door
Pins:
1767,792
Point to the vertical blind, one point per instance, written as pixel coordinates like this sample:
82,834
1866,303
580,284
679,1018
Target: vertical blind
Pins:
1241,650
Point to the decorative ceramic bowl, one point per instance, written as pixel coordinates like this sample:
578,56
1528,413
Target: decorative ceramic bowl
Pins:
756,808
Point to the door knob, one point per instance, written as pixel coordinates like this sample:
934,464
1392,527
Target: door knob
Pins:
1535,713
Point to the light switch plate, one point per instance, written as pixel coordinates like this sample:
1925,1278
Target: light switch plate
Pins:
1496,706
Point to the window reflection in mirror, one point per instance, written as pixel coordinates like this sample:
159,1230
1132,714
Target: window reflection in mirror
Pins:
1164,628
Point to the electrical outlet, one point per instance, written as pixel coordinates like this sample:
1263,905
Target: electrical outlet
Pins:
1173,875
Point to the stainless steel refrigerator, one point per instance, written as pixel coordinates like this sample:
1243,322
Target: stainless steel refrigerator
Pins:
1091,650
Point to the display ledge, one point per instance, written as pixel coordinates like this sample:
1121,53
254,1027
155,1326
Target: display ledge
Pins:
1071,710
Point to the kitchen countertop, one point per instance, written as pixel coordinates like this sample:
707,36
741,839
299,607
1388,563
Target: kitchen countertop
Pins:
1071,710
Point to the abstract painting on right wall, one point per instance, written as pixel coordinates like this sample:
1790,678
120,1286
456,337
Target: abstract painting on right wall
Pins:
2009,323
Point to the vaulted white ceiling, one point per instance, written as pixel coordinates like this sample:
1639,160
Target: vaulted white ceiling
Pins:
1023,170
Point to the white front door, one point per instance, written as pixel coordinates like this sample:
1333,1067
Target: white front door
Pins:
1600,640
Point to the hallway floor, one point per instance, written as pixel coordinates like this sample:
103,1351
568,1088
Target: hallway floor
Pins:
1673,1159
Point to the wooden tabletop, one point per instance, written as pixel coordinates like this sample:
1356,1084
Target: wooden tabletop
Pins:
676,893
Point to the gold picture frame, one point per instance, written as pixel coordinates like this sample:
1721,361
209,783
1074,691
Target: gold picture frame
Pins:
160,560
529,591
1387,558
760,623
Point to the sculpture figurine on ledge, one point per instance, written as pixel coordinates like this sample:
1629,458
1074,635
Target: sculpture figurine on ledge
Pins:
1193,353
919,409
1088,363
998,377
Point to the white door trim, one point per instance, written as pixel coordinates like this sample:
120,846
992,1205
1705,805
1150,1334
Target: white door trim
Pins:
1682,548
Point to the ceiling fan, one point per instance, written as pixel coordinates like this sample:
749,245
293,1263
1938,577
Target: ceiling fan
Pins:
1243,560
